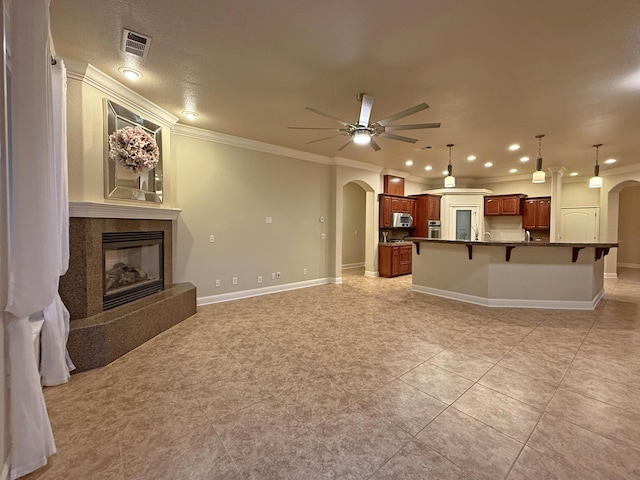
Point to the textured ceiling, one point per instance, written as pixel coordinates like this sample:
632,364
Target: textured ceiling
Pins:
494,72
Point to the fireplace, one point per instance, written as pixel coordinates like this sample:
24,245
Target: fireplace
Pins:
112,317
132,266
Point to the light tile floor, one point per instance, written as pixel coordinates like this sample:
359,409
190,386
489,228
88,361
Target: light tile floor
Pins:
364,380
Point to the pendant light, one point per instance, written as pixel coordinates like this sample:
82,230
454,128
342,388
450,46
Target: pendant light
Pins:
450,180
538,175
596,180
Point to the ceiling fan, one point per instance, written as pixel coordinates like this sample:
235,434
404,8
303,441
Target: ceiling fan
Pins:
363,132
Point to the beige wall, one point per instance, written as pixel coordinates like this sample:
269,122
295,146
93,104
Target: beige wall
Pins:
521,186
629,227
578,194
228,191
353,224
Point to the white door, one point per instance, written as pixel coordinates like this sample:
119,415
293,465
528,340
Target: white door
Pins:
579,224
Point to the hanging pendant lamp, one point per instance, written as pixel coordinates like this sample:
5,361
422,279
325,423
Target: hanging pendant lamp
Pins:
538,175
596,180
450,180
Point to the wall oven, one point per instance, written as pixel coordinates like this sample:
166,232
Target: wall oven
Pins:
433,229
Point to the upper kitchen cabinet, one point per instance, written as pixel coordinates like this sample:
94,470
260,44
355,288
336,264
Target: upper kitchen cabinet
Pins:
427,208
503,204
390,204
536,213
393,185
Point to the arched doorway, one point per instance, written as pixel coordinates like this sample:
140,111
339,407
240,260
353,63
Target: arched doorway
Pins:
623,225
354,218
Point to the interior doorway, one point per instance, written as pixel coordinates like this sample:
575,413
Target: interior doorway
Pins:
354,220
464,224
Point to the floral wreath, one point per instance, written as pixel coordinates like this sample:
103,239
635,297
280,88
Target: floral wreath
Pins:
134,149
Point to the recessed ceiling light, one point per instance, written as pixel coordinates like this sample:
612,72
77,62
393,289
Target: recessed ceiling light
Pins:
610,160
488,164
573,174
445,172
514,146
190,115
408,163
524,159
471,158
428,168
513,170
130,73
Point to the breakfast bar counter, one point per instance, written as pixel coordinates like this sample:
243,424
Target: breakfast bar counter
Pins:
511,274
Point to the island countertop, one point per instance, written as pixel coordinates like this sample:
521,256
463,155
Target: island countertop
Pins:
557,275
513,244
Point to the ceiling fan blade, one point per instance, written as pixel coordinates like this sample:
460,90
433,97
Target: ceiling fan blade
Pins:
374,145
404,113
398,137
325,138
344,146
331,117
365,110
319,128
413,126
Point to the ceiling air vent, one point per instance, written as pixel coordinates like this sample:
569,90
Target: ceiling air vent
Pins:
135,43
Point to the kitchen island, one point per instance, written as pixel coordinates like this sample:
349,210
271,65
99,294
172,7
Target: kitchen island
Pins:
511,274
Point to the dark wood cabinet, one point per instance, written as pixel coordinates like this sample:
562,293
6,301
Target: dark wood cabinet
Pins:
390,204
394,260
536,213
393,185
503,205
427,208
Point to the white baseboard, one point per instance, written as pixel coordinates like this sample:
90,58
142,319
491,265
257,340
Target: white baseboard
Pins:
610,275
629,265
368,273
512,303
227,297
348,266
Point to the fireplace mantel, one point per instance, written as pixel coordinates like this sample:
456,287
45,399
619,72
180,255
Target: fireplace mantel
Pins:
113,210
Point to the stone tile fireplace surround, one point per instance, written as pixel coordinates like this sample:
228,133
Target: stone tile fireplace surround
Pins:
98,337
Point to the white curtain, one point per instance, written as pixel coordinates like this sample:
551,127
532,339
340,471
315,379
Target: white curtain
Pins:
55,363
37,221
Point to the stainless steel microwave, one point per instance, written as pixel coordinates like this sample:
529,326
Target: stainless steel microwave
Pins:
403,220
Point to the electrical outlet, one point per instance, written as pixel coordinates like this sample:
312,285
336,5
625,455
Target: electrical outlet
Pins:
259,278
234,280
277,274
212,238
217,283
273,276
269,219
321,219
323,236
304,271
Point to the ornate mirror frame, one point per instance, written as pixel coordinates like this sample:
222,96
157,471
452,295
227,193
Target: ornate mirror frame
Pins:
120,182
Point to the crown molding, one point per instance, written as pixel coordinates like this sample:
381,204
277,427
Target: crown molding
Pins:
395,173
223,138
89,75
347,162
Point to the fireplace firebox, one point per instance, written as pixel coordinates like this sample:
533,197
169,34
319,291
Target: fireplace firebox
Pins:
132,266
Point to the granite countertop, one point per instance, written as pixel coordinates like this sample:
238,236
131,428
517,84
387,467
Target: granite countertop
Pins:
396,244
512,244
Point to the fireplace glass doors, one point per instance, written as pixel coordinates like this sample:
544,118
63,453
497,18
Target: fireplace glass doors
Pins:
132,266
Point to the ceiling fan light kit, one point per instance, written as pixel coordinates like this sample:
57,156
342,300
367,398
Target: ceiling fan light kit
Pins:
449,180
538,175
596,180
363,132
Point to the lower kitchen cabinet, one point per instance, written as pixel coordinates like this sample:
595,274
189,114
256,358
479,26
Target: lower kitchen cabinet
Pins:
394,260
